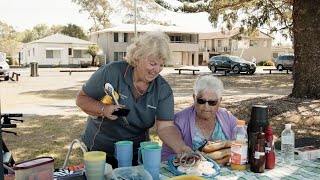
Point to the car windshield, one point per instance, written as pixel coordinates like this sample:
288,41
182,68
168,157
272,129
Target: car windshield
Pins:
235,58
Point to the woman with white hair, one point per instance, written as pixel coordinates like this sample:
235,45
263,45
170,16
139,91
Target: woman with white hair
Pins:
204,120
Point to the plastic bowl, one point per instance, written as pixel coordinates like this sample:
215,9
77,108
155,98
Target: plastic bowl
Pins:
135,172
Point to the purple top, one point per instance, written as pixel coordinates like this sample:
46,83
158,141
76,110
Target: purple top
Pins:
185,121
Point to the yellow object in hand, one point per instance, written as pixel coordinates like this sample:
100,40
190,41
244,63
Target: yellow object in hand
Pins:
108,100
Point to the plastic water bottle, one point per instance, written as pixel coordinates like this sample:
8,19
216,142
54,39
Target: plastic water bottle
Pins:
287,144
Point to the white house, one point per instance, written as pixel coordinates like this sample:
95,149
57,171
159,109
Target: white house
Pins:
183,42
56,50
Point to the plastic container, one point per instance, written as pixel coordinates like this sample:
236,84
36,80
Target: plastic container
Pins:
134,172
35,169
287,144
239,147
187,177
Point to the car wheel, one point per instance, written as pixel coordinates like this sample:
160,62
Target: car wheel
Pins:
252,71
236,69
213,68
6,78
280,67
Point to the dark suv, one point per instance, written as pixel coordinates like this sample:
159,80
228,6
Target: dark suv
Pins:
231,63
284,62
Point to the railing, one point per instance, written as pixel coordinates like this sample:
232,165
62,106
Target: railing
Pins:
219,49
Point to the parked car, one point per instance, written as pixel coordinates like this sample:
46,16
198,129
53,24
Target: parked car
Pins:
231,63
4,69
284,62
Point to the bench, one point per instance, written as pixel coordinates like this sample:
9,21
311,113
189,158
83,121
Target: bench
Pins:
193,70
275,70
15,74
78,70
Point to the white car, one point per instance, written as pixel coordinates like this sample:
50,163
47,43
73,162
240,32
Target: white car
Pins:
4,69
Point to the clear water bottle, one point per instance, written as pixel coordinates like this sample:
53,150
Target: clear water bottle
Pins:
239,147
287,144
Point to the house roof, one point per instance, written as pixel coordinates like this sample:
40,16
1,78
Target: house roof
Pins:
129,28
229,34
60,38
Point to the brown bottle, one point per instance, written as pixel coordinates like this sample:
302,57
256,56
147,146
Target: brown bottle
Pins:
258,157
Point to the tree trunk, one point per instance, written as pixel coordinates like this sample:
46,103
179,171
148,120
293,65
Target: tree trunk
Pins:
92,62
306,32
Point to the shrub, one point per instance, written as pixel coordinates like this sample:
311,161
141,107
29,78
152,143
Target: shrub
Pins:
265,63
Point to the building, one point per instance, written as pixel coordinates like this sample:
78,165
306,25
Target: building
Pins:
115,40
56,50
256,46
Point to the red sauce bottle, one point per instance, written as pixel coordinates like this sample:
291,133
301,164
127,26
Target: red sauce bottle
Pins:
270,154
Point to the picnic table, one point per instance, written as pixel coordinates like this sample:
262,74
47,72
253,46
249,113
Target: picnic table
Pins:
185,69
300,169
275,70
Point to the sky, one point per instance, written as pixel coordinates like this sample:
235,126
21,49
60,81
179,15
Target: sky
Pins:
24,14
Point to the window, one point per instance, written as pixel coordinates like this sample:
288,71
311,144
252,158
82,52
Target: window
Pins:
230,42
253,43
53,53
120,37
275,55
205,44
78,53
70,51
119,56
115,37
33,51
49,53
219,43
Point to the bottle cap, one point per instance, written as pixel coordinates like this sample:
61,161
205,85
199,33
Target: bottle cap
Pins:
241,122
288,126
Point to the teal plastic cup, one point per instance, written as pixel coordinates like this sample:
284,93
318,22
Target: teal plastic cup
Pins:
143,145
124,153
94,165
152,159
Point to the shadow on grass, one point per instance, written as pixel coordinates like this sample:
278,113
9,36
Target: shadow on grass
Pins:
64,93
47,136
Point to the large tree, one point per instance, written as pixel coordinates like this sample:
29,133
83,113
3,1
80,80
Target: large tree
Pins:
99,11
93,51
275,15
9,40
74,31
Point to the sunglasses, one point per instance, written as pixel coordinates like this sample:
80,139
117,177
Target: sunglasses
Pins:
211,103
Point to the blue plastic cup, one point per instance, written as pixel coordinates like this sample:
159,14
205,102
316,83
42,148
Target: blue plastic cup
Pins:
142,146
152,159
123,153
94,165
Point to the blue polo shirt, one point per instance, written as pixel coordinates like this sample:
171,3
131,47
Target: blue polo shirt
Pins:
156,103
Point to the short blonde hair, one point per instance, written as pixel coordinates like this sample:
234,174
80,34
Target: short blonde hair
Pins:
208,82
150,45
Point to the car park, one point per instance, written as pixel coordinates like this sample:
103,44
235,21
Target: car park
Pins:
231,63
4,69
284,61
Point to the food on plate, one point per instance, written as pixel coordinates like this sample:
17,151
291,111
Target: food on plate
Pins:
219,154
219,151
216,145
223,160
192,164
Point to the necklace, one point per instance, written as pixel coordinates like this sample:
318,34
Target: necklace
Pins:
134,84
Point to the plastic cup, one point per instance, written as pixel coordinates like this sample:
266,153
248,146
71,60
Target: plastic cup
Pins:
123,153
142,146
94,164
152,160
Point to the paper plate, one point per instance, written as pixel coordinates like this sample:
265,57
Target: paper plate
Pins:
177,172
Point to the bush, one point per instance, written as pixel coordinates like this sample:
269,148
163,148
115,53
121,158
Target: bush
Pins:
265,63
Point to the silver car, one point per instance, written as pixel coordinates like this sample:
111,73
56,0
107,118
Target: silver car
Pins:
4,69
284,62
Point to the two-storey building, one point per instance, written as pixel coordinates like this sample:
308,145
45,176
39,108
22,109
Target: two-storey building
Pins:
115,40
233,42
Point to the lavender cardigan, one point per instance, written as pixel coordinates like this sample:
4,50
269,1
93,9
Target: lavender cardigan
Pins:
185,121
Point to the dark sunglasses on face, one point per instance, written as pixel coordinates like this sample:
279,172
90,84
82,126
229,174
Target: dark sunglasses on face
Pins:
202,101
